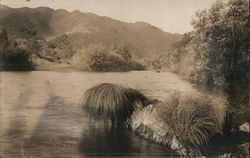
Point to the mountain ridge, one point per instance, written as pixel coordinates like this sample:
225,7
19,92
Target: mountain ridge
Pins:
72,37
44,22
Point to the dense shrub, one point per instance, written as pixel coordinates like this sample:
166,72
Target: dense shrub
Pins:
156,62
103,58
60,47
16,56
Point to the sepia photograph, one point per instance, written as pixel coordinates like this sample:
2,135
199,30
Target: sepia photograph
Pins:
124,78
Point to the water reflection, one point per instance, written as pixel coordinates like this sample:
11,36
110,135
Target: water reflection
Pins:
46,104
102,140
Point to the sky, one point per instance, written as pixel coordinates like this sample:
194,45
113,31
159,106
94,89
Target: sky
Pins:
169,15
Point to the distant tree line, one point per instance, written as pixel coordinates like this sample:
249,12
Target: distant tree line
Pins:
21,54
105,58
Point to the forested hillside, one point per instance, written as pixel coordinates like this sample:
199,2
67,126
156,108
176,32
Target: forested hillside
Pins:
61,35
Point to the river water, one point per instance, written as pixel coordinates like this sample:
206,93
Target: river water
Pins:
40,114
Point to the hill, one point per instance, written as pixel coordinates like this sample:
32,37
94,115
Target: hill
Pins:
86,29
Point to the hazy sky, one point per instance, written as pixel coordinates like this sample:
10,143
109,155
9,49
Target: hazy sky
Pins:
169,15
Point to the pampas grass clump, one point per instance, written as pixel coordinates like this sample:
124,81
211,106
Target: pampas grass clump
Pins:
191,118
183,121
111,101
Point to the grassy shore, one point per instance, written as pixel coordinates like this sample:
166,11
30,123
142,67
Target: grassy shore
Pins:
187,122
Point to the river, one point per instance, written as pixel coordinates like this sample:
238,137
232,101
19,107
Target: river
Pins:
40,114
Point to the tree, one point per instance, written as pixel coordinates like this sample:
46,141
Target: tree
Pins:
3,35
3,40
219,51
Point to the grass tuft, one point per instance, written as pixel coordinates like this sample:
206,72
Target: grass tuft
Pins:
114,102
193,118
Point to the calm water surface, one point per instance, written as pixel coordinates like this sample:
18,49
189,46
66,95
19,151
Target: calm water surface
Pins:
40,114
